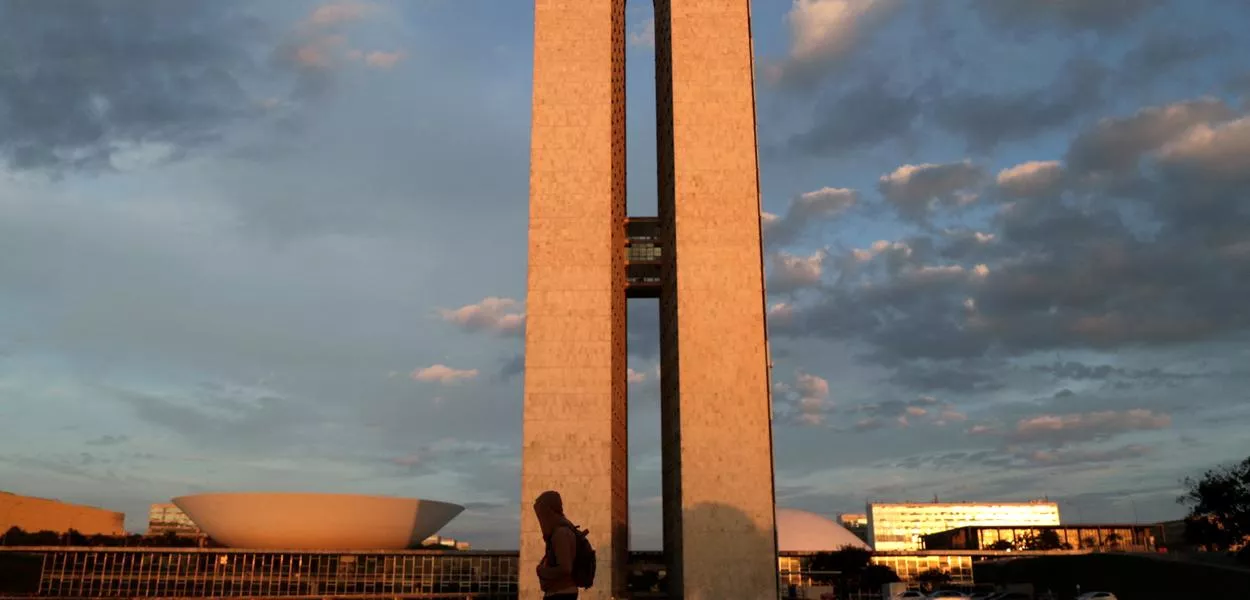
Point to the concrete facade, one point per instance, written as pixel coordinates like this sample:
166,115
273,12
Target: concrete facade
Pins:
574,431
33,515
719,521
296,521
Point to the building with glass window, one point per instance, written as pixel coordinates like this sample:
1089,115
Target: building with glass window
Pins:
856,523
166,518
1087,536
901,527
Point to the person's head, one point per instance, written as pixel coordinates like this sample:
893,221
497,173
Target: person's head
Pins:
549,508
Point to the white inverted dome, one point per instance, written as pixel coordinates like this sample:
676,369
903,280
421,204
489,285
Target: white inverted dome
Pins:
802,531
316,521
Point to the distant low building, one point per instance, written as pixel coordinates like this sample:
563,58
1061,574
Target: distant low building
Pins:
445,542
801,534
856,523
33,515
1129,538
901,527
165,518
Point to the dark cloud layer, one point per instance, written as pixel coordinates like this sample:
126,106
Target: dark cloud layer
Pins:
81,81
986,120
1076,273
1076,14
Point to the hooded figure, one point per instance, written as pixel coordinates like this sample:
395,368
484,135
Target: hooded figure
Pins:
555,572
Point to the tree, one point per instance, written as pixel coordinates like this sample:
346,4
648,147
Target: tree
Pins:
847,562
1048,539
1219,513
933,578
854,569
876,576
1002,546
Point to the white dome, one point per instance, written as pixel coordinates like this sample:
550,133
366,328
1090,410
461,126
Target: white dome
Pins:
802,531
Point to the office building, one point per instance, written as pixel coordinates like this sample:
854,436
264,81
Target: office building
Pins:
856,523
901,527
165,518
1097,537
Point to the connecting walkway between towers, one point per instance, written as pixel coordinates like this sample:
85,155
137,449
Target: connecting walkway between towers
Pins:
643,253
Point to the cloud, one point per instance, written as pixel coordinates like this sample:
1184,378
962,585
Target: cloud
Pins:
805,401
1219,153
1032,179
1062,458
383,60
1075,14
444,454
866,114
824,32
187,69
644,35
228,416
319,52
108,440
964,377
513,366
443,374
1115,145
1058,429
986,120
805,211
319,47
1138,251
789,273
1163,52
904,413
917,190
896,255
492,314
633,376
336,13
1077,371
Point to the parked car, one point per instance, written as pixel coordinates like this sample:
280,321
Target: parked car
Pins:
1097,596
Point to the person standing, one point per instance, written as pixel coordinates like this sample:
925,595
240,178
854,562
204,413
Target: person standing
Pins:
555,572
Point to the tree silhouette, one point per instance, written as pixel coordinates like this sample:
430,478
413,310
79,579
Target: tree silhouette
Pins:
1002,546
1048,539
854,569
876,576
934,577
1219,501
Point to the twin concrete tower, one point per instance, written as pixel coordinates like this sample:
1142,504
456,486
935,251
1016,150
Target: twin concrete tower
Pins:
701,257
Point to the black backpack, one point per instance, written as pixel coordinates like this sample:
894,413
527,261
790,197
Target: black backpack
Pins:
584,562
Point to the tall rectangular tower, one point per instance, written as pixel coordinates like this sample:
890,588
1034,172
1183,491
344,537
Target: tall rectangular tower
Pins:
719,532
574,431
716,416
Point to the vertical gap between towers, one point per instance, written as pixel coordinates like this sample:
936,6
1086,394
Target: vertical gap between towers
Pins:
644,317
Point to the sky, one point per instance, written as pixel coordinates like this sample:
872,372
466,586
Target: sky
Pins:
282,246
